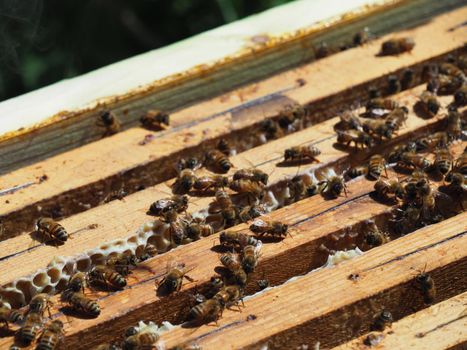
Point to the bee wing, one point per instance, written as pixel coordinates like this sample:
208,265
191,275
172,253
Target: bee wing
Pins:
260,223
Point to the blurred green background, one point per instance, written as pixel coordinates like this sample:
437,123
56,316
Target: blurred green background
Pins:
43,41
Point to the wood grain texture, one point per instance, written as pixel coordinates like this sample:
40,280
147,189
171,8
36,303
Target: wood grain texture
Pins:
441,326
82,178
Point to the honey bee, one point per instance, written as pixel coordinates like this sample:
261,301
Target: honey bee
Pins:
396,152
454,125
397,46
461,163
177,202
145,338
372,234
429,71
266,227
102,274
39,303
391,186
407,217
184,183
252,174
443,161
433,141
271,129
217,160
149,251
253,189
77,282
357,171
323,50
397,117
121,263
224,147
51,229
333,186
229,295
380,106
427,286
32,324
348,120
226,208
216,283
234,239
300,153
10,315
376,165
414,160
207,183
238,275
155,120
250,254
394,85
51,337
408,78
460,96
80,302
373,92
208,311
177,227
428,104
197,230
457,182
297,188
188,163
378,128
383,320
174,279
444,84
359,138
452,70
361,37
110,122
290,115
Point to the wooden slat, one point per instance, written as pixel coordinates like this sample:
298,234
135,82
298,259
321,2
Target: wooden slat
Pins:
441,326
119,219
81,178
153,79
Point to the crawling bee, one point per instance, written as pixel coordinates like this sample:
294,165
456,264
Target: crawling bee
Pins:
428,104
291,114
300,187
145,338
429,71
188,163
250,254
378,128
239,276
51,229
212,182
252,174
51,337
149,251
333,186
460,97
197,230
380,106
407,217
216,283
443,161
359,138
452,70
432,141
39,303
457,182
395,154
266,227
224,146
253,189
177,227
397,117
376,165
443,84
372,234
174,279
229,295
208,311
32,324
397,46
77,282
383,320
427,286
348,120
361,37
185,181
356,171
110,122
226,208
102,274
177,202
155,120
391,186
300,153
413,160
271,129
10,315
217,160
454,125
121,263
408,78
80,302
394,85
236,239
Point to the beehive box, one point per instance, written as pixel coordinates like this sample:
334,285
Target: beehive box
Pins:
57,164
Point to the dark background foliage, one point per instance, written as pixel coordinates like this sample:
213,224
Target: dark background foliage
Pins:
43,41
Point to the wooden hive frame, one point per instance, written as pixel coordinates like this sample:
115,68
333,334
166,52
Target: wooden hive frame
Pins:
289,314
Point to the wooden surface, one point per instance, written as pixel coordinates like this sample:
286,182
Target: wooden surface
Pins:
441,326
157,79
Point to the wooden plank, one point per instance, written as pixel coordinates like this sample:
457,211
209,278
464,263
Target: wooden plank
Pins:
119,219
162,79
441,326
82,178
